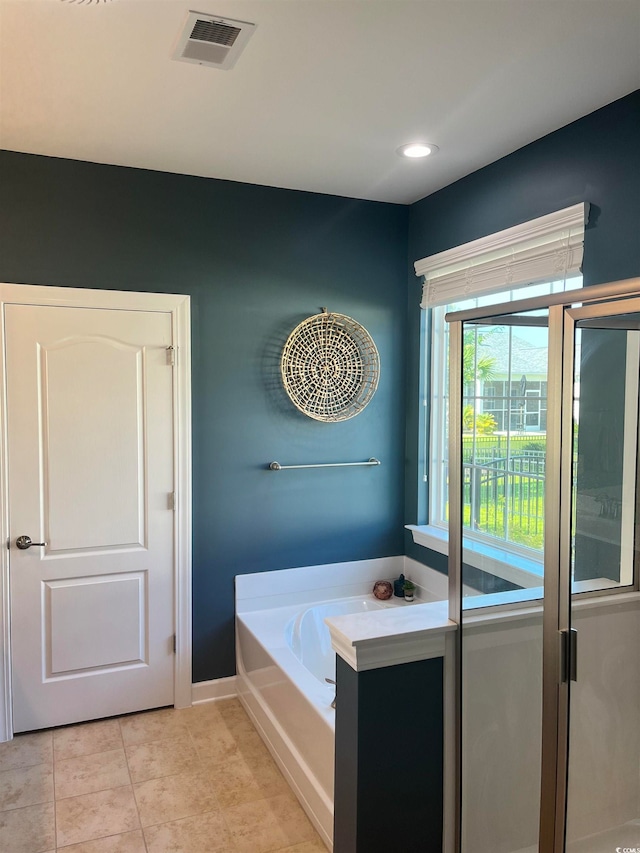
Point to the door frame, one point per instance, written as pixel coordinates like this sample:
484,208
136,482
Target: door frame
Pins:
178,305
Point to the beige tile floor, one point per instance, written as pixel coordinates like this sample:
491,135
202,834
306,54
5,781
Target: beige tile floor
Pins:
198,780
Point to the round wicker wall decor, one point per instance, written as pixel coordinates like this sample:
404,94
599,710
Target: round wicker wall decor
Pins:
330,367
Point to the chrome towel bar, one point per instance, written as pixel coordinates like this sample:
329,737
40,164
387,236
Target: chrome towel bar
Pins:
276,466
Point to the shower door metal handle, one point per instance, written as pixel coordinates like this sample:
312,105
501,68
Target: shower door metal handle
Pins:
24,542
568,655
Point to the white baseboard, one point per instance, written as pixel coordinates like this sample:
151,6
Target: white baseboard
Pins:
209,691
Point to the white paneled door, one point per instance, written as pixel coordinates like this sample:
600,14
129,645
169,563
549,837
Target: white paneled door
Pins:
91,475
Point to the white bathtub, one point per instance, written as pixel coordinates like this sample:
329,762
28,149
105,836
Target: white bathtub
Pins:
308,636
284,654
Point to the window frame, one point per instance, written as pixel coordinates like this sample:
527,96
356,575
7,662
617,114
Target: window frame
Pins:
514,563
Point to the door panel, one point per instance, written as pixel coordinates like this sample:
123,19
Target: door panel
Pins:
503,556
107,379
80,633
90,437
603,793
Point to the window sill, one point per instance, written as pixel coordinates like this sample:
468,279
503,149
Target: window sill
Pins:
597,591
495,560
435,538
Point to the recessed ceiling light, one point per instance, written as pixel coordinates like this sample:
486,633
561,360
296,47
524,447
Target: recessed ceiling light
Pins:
415,150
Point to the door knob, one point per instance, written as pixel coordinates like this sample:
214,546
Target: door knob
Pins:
24,542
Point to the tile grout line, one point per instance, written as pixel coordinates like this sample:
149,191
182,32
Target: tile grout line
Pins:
203,768
221,809
133,790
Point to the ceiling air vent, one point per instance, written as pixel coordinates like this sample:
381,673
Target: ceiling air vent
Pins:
208,40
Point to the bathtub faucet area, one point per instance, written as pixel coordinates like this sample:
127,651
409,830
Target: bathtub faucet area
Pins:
332,681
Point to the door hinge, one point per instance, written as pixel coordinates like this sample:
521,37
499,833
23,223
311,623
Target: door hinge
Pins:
171,356
568,655
172,501
175,644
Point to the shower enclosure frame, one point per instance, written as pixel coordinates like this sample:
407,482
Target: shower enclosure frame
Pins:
558,649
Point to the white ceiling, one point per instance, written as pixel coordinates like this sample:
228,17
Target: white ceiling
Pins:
324,93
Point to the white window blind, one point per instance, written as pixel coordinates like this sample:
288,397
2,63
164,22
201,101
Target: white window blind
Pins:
543,249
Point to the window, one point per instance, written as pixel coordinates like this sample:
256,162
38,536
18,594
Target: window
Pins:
504,425
505,389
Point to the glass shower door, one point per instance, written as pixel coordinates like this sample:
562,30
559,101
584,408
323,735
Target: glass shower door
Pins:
503,421
544,549
603,791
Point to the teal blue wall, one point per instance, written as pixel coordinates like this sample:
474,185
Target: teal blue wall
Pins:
255,261
595,159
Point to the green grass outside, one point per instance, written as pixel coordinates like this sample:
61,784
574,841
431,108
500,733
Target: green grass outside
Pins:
524,513
526,522
491,522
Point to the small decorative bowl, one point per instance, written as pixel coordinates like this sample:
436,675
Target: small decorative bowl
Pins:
382,590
